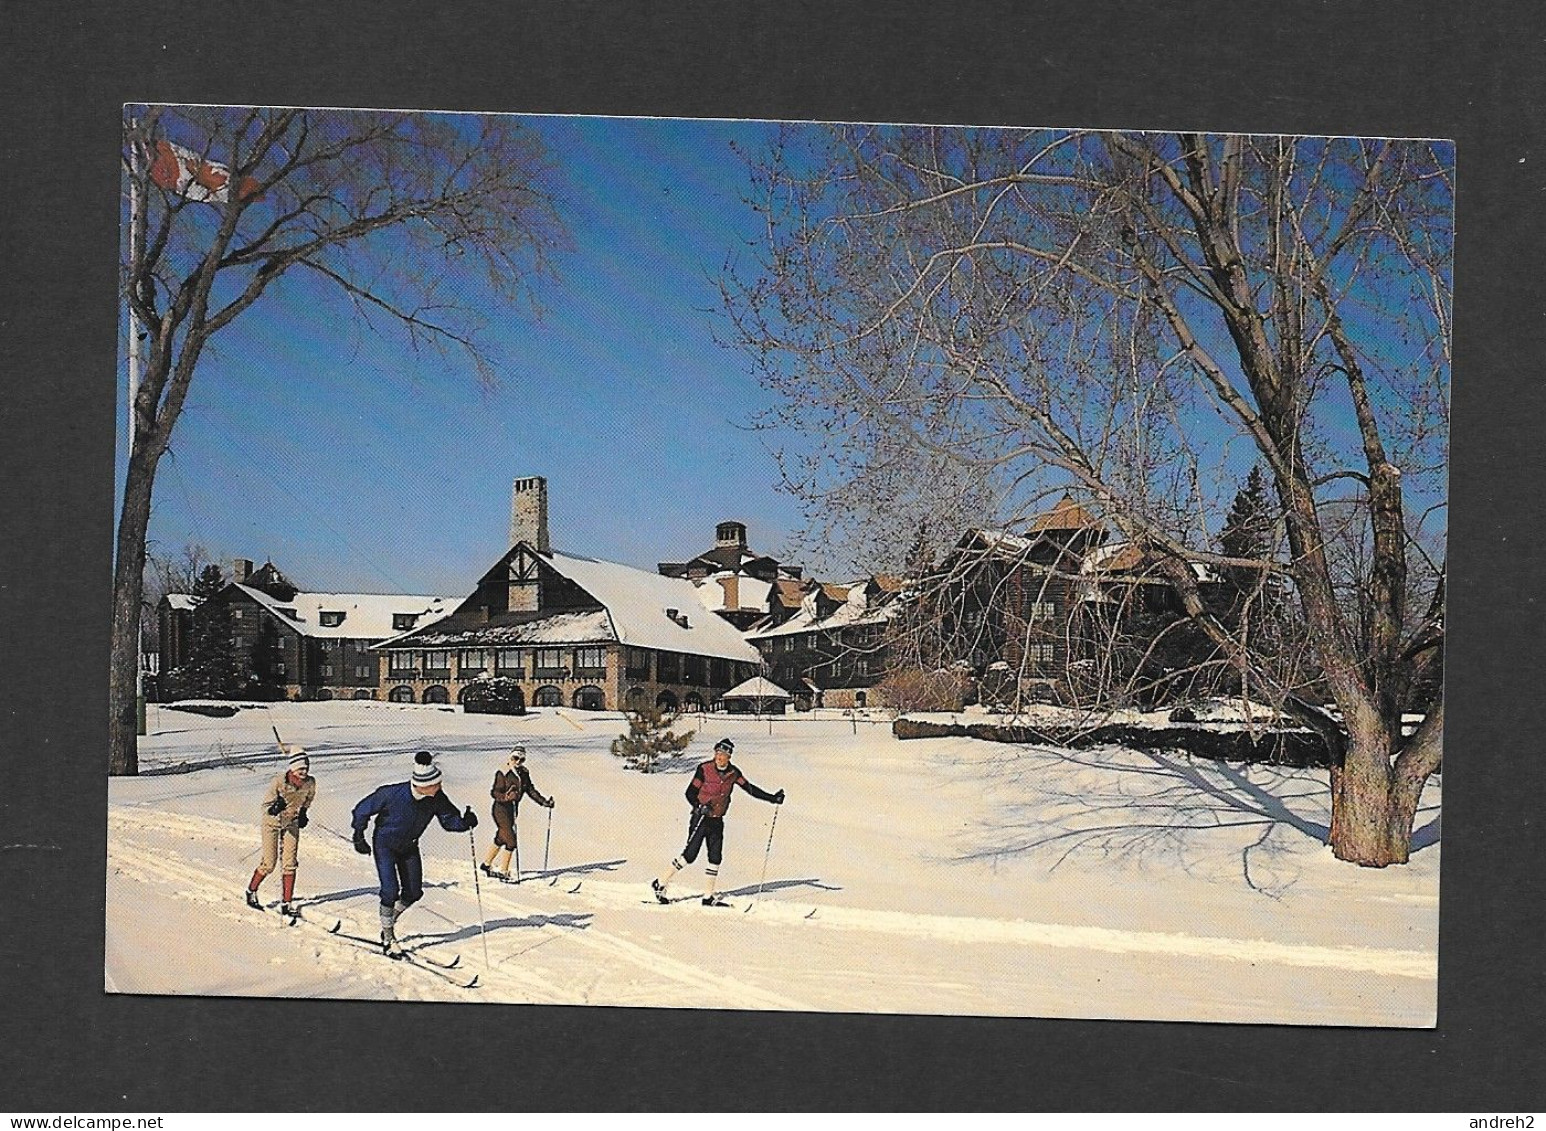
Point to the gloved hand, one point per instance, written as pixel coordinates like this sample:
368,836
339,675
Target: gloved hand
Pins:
778,798
276,806
301,820
700,811
469,818
550,803
360,845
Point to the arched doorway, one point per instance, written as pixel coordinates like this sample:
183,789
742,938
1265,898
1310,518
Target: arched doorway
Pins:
636,698
666,701
323,695
693,702
401,695
590,698
364,693
436,694
548,696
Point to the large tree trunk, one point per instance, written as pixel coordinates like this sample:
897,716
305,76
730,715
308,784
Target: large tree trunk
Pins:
128,589
1366,824
1374,801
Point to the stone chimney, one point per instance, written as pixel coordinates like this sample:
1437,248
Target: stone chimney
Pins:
241,570
529,513
730,534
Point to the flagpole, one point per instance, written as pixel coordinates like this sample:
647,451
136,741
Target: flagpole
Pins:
134,392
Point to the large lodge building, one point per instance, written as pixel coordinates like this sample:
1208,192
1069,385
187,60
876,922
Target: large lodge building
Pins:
573,631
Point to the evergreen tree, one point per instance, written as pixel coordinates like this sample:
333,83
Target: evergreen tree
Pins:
213,670
649,737
1247,533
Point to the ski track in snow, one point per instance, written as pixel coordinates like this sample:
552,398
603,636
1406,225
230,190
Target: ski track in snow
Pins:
133,856
143,848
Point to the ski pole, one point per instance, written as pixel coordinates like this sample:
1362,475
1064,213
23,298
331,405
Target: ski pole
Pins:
515,835
547,841
766,852
472,843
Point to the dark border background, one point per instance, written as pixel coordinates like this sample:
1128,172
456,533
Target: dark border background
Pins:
1435,68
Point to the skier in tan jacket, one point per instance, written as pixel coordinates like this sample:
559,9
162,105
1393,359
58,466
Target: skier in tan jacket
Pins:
284,816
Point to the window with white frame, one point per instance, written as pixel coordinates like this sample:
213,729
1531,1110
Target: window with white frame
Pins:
1041,653
437,661
473,660
1042,610
590,659
550,659
510,660
400,663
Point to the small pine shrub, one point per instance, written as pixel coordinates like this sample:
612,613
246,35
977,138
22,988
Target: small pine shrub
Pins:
649,738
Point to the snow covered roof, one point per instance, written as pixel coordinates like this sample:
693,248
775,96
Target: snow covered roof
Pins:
790,591
757,688
590,626
714,592
854,611
637,602
366,616
1123,557
183,602
1000,541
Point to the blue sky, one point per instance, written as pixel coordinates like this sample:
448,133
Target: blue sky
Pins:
357,466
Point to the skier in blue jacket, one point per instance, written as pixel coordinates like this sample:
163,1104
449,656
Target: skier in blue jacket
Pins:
403,811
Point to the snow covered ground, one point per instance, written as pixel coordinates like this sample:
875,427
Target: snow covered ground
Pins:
927,876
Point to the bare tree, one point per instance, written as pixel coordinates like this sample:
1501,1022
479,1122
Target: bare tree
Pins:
406,216
166,573
1128,317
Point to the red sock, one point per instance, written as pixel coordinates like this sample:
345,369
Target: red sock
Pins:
289,886
257,878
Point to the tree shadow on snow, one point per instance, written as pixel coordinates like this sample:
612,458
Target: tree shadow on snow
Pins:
422,939
534,875
1144,806
354,893
780,885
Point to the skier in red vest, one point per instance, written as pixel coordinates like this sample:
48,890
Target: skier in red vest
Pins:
709,795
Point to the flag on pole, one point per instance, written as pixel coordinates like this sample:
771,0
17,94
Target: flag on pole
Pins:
183,171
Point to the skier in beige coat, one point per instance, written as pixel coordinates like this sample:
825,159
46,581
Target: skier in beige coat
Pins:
284,816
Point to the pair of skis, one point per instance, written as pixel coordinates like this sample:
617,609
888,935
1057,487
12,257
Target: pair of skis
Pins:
446,970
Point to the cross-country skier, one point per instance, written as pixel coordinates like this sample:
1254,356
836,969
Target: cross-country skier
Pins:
284,816
510,785
403,811
709,795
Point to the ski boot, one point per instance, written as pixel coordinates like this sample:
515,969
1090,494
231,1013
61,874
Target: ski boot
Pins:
252,900
714,901
289,911
660,891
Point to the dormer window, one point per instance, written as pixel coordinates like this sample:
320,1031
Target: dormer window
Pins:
402,622
289,612
330,619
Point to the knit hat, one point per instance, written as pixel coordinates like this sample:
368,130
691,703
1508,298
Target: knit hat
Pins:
518,754
726,745
298,759
425,772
